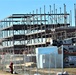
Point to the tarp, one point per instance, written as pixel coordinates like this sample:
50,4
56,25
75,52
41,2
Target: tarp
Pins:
47,50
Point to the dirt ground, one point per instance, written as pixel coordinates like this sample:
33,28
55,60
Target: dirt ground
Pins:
6,73
69,70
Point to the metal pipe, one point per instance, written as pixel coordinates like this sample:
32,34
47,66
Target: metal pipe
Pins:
70,18
40,17
50,13
75,13
60,16
65,14
54,13
41,25
45,24
50,9
56,17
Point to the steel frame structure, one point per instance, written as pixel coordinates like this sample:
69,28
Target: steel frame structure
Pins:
25,32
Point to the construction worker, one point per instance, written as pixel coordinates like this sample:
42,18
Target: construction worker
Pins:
11,67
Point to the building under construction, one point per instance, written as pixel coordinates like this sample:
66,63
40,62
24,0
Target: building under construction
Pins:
22,33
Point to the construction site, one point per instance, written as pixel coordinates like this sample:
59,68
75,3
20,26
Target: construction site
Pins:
22,34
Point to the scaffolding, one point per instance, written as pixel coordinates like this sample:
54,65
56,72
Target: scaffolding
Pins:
24,32
21,34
